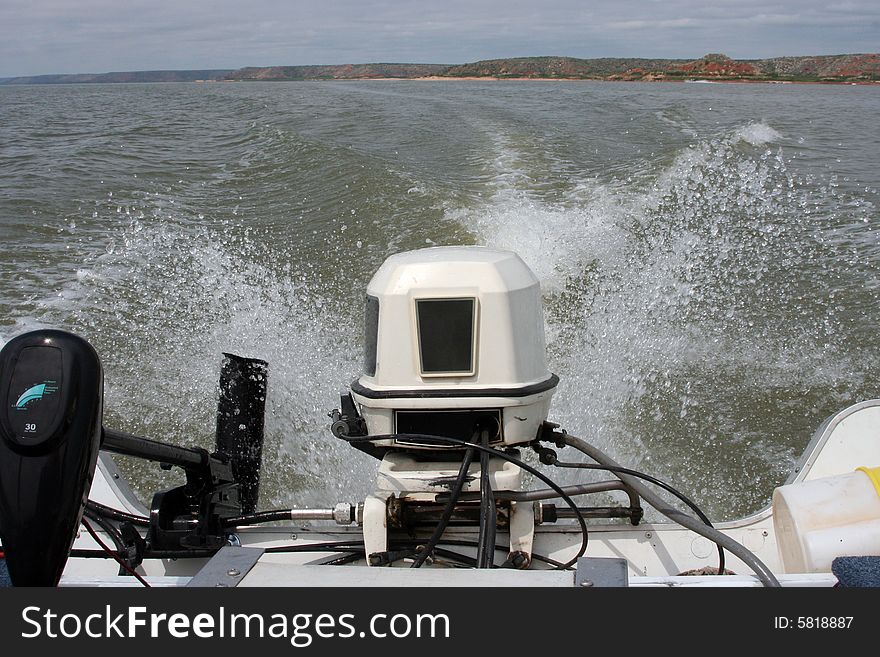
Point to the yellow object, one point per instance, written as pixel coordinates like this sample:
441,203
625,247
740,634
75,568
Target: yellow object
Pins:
873,475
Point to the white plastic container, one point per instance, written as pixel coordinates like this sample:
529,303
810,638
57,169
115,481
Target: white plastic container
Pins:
818,520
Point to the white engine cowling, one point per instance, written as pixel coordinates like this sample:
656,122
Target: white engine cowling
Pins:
454,338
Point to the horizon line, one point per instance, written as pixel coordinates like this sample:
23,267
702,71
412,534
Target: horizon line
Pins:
491,59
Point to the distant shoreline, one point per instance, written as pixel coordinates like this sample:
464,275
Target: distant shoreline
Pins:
853,69
449,78
487,78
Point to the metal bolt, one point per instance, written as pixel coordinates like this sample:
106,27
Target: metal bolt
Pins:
233,572
647,534
586,583
519,559
293,537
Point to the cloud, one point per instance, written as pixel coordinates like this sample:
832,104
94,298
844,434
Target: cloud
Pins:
58,36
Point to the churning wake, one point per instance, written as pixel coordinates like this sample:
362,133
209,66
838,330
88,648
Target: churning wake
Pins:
708,300
695,319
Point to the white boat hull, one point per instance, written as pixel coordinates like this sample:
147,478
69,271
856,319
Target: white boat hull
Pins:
656,554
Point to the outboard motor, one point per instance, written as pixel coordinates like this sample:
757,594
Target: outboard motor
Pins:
454,348
51,388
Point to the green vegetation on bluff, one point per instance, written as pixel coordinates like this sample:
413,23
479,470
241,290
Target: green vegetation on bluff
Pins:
826,68
341,72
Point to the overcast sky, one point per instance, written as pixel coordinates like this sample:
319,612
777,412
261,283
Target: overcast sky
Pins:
97,36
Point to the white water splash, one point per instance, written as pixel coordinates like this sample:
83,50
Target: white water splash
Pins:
182,296
658,296
558,240
756,134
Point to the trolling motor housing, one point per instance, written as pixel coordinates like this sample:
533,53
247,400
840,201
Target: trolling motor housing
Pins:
51,403
51,390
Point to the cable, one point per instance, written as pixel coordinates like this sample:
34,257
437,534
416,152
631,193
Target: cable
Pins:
112,532
355,548
488,512
507,457
115,556
329,546
549,493
447,510
257,518
761,570
484,559
662,484
635,473
498,548
116,514
344,559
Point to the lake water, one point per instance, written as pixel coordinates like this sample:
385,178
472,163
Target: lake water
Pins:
709,254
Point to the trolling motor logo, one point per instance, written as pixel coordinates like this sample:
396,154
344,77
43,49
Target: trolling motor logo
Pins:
31,396
35,393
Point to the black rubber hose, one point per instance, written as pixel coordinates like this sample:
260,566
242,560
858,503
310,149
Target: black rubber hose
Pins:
351,547
355,550
447,511
498,548
257,518
662,484
200,553
328,546
761,570
116,557
110,530
116,514
488,513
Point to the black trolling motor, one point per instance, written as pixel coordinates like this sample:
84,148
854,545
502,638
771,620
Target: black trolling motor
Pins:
51,388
